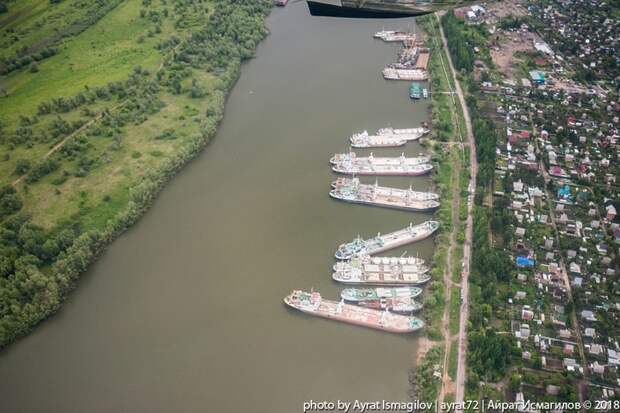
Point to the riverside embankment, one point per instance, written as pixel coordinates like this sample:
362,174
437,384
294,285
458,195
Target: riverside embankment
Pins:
184,312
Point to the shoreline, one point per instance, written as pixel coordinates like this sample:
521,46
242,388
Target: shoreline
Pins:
91,244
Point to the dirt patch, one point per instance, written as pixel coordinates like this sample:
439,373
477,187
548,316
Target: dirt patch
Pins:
424,346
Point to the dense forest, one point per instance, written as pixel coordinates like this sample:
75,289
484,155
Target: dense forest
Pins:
40,264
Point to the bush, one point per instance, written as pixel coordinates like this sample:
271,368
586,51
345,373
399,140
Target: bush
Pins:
22,166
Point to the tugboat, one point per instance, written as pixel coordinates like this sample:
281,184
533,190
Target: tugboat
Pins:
415,91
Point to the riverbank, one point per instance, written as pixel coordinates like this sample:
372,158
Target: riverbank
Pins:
112,152
172,305
446,145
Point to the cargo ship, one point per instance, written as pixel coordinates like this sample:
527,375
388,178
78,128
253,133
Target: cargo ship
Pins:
395,73
389,271
381,243
364,294
387,137
355,168
351,164
312,303
415,91
377,160
351,190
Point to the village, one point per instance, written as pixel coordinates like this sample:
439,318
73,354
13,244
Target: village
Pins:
546,73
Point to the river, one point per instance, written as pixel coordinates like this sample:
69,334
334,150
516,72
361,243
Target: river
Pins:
184,312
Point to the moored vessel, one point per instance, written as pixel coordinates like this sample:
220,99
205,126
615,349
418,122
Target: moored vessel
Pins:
312,303
380,243
351,164
387,137
363,294
350,168
352,157
393,73
415,91
351,190
388,271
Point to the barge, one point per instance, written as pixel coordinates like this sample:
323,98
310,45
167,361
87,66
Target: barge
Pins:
381,243
351,190
364,294
349,168
392,73
385,271
387,137
352,157
395,36
312,303
351,164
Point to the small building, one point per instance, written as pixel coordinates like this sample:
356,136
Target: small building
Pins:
537,77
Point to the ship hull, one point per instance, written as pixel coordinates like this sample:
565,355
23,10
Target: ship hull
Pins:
393,144
382,205
379,305
380,172
352,321
332,10
382,283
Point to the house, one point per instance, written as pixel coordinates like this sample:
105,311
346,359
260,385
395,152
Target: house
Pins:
569,364
588,315
596,349
564,333
598,368
537,77
527,314
611,212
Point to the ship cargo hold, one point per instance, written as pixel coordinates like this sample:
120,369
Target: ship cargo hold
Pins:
351,190
351,164
363,294
312,303
403,305
381,243
388,271
393,73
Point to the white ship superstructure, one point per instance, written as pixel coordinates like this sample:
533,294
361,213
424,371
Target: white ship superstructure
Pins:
352,190
382,243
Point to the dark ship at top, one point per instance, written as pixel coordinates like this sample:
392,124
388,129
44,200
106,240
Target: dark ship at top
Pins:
378,9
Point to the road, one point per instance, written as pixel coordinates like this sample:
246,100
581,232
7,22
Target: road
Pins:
462,335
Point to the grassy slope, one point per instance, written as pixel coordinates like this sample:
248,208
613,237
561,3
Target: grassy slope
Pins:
105,52
109,172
